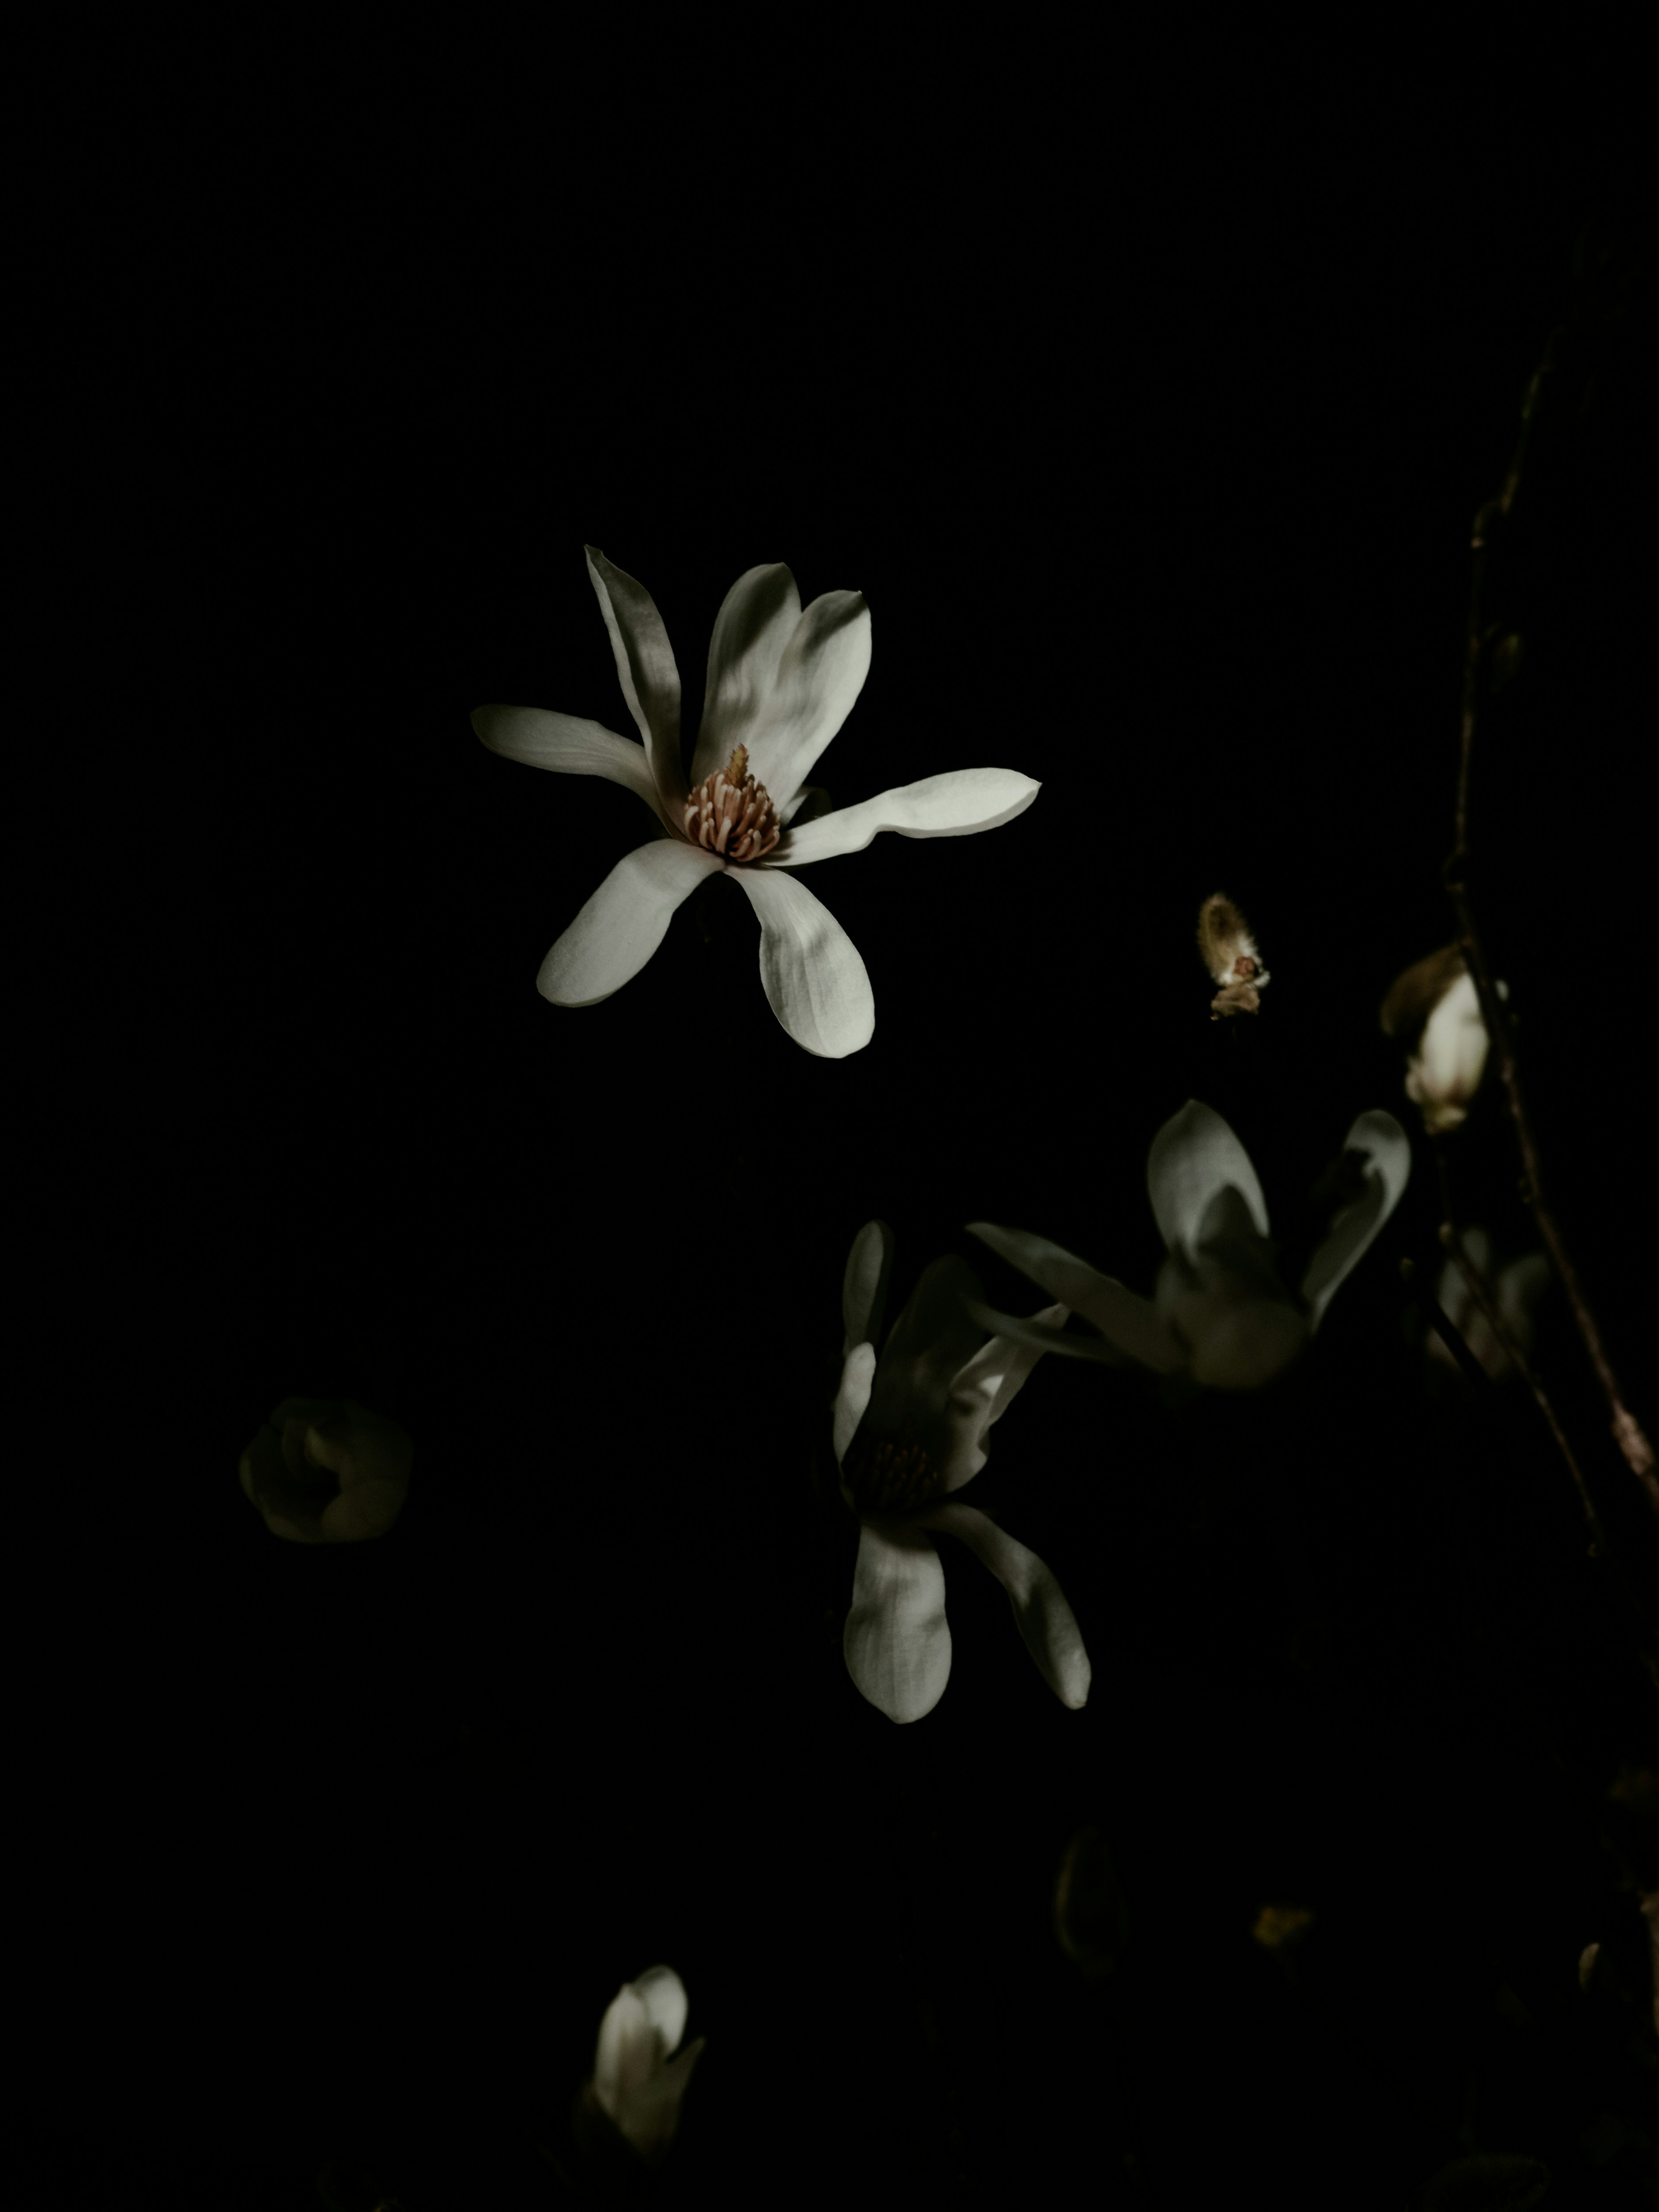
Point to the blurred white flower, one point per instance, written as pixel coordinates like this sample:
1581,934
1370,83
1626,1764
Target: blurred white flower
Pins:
327,1471
908,1429
780,684
1220,1312
637,2082
1515,1290
1434,1010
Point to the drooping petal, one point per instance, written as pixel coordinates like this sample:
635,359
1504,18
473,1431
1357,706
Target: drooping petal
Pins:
814,981
1130,1322
981,1391
864,1286
858,1372
954,805
624,921
897,1639
1045,1620
645,671
757,618
569,745
1194,1155
1387,1153
820,674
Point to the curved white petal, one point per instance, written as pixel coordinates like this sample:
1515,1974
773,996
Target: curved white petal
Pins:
1045,1620
624,921
1388,1154
1044,1339
982,1390
954,805
1194,1155
864,1286
1130,1322
814,980
820,673
757,618
568,745
645,668
858,1376
897,1639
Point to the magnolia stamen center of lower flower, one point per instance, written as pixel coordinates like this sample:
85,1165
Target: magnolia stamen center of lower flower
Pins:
886,1475
730,814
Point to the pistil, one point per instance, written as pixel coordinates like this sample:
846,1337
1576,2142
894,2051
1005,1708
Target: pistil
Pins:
730,814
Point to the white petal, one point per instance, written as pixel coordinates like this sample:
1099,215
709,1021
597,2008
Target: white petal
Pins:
568,745
1043,1338
1389,1154
624,921
645,671
897,1639
864,1286
650,2115
757,618
662,1993
814,980
1128,1321
1045,1620
1194,1155
858,1376
820,674
626,2054
989,1383
954,805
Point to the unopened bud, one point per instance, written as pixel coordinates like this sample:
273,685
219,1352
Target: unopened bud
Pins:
1434,1012
1231,954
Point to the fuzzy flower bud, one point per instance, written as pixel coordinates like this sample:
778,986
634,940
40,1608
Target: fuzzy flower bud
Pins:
1434,1012
1229,952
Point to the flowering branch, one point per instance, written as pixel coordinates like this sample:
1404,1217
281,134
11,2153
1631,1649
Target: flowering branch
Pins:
1626,1430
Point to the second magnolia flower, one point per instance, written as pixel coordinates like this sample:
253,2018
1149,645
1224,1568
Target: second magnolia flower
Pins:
780,682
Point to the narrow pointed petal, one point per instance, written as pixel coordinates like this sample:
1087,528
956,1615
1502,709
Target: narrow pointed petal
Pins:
1194,1155
757,618
1387,1155
624,922
954,805
864,1286
857,1373
814,980
645,671
1045,1620
568,745
897,1639
982,1391
820,674
1043,1338
1130,1322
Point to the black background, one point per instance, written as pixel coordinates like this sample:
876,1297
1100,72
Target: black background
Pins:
1151,426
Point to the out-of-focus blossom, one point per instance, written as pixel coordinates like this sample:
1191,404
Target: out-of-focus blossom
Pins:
1220,1312
908,1431
637,2082
328,1471
1515,1290
1434,1011
780,684
1231,954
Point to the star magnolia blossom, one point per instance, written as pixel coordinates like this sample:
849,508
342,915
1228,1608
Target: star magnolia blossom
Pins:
908,1431
636,2082
1220,1312
327,1471
780,684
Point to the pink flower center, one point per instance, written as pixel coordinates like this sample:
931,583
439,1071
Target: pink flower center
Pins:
730,814
887,1476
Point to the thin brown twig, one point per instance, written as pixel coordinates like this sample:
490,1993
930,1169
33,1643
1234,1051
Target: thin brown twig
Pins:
1628,1431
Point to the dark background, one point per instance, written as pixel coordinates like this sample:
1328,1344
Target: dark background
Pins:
1152,431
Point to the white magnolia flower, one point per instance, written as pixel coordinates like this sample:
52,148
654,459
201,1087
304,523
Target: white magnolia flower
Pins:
780,684
327,1471
636,2082
908,1429
1515,1290
1434,1009
1220,1312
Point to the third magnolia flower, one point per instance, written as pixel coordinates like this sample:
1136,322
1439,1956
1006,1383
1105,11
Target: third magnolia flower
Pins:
781,682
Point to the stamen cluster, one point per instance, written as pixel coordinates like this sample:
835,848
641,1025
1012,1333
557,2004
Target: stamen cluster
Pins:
730,814
888,1477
